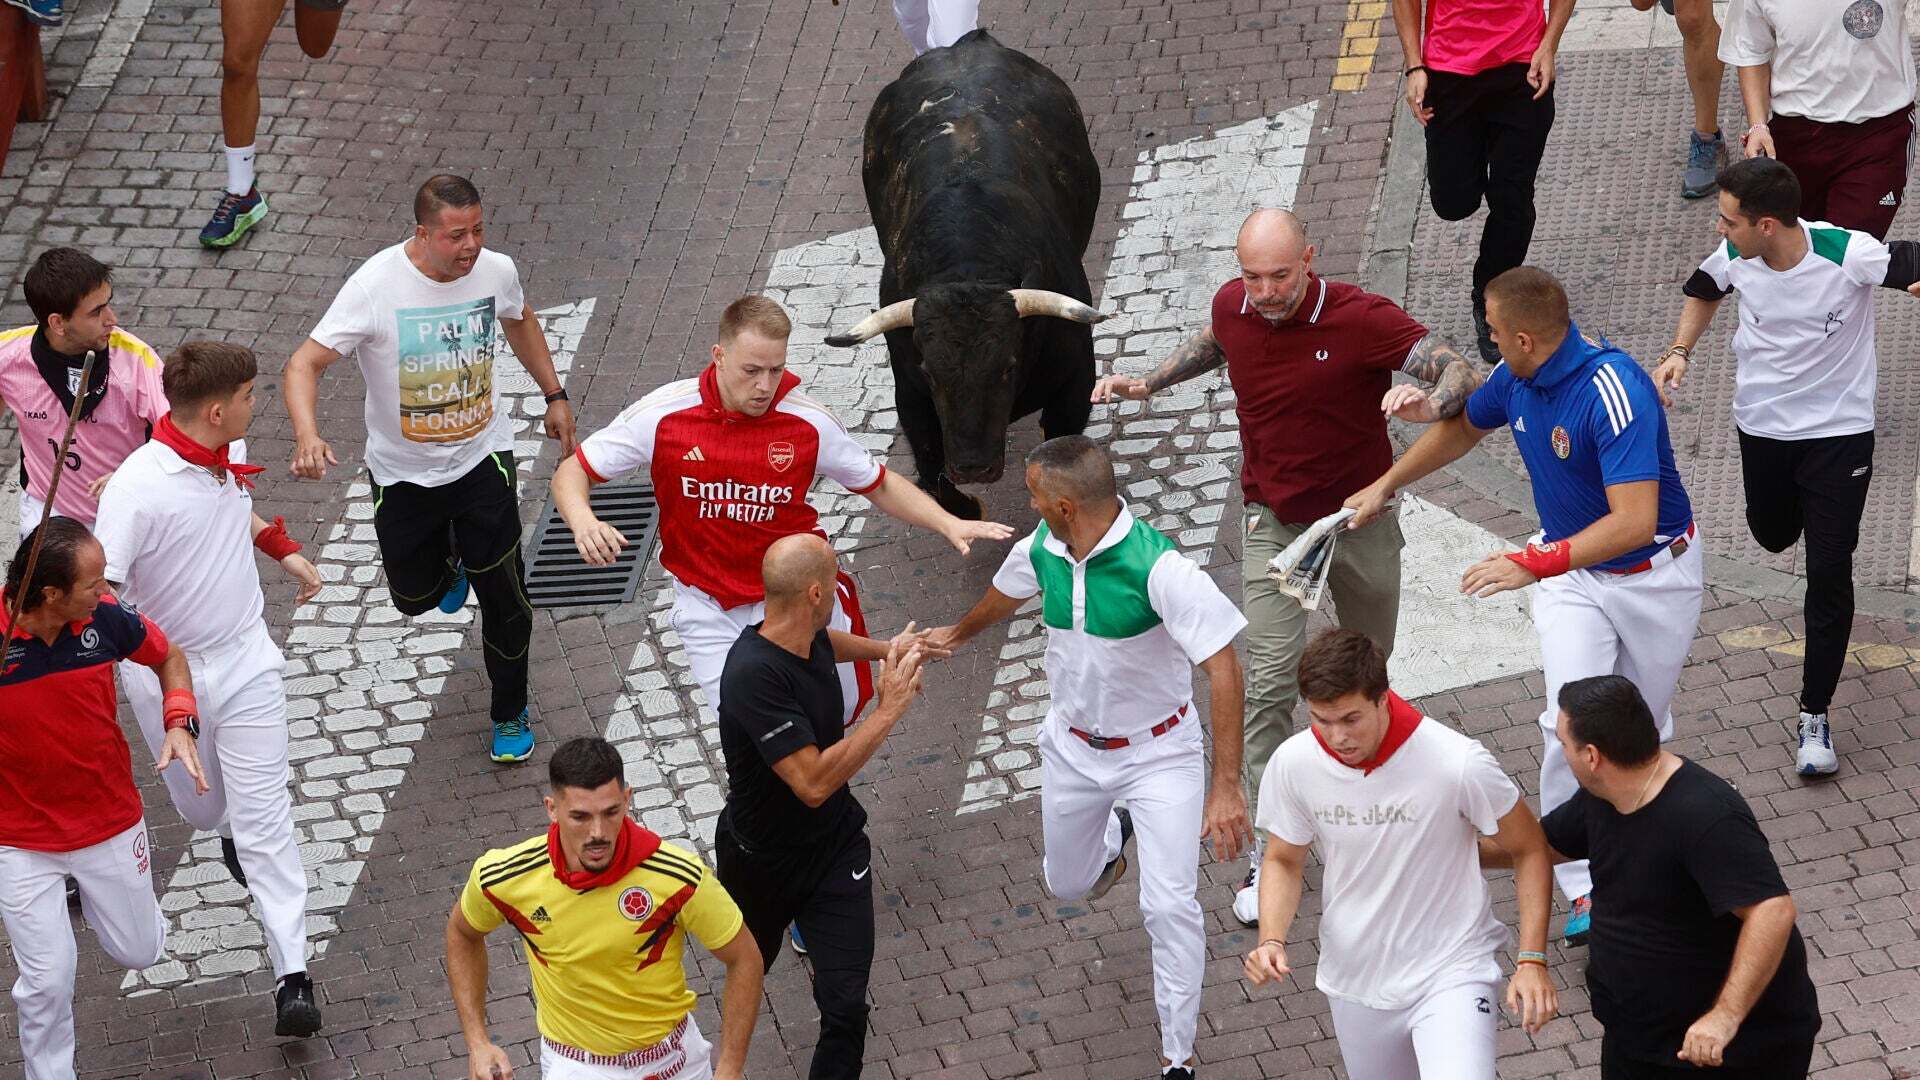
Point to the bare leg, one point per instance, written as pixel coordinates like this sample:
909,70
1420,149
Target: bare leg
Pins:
315,28
1701,35
244,28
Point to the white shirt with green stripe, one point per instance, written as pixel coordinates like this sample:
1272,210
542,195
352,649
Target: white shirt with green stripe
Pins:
1125,626
1805,345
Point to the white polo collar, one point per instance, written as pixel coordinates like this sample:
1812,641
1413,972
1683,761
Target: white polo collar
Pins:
1116,532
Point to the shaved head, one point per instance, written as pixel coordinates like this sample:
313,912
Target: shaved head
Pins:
1274,260
795,562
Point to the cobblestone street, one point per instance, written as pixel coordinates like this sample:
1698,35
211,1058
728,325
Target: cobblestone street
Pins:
645,163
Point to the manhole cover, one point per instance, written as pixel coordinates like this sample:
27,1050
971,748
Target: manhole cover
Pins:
556,574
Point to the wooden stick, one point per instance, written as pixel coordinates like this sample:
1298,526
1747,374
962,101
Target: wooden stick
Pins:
53,486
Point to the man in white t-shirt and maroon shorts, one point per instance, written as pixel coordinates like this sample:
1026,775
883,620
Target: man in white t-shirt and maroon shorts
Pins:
1397,803
421,317
1803,396
732,455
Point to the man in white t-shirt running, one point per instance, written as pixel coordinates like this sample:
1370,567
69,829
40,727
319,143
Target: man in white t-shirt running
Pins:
1397,803
1803,395
732,455
421,316
1829,90
179,530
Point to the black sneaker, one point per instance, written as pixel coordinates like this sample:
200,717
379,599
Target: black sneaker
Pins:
293,1008
1182,1072
231,856
1489,352
1118,865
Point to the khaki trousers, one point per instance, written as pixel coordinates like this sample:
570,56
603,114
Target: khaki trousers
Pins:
1365,583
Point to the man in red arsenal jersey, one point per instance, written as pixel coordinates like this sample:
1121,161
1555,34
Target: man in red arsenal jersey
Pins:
68,807
1311,362
731,455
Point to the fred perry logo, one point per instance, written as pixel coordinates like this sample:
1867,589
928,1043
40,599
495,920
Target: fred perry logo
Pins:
1320,355
1562,443
780,456
636,903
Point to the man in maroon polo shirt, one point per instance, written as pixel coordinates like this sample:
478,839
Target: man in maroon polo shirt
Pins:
1311,362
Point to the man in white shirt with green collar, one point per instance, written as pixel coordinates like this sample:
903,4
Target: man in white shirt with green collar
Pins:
1128,618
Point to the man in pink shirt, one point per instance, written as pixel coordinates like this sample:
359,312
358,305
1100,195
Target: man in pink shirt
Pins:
1480,80
71,294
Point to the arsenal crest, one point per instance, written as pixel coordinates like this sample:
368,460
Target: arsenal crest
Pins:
636,903
1562,443
780,456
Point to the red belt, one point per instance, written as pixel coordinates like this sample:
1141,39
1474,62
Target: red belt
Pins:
1675,549
1112,742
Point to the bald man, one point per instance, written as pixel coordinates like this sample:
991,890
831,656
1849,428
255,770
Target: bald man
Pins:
1312,363
791,845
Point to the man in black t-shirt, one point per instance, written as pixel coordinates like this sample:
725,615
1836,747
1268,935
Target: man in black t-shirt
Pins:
791,845
1695,960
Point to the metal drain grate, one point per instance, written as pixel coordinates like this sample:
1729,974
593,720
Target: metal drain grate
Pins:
556,574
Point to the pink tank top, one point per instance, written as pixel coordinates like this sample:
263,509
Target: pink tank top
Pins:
116,428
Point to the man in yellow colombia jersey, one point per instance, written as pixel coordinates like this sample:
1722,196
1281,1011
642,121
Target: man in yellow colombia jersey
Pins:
603,907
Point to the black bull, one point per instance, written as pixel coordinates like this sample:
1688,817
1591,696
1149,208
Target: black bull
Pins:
983,189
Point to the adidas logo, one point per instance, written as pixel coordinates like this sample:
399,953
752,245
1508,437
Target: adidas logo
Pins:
1889,200
1520,423
693,455
540,914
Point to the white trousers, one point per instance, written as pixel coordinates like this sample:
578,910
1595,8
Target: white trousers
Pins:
692,1059
1595,623
1447,1035
1163,783
116,896
242,693
707,631
30,511
936,24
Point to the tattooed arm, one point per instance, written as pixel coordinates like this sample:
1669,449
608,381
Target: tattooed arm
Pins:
1451,377
1197,355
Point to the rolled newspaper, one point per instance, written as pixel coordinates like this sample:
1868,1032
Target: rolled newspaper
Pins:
1301,569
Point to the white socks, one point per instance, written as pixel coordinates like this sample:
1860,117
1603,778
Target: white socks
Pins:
239,169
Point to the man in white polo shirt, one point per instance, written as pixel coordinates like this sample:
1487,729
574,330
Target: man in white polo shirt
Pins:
1128,618
179,530
1408,943
1802,398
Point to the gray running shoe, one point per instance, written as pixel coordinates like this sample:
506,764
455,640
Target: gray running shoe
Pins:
1705,157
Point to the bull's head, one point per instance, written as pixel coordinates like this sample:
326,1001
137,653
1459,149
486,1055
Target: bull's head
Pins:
969,340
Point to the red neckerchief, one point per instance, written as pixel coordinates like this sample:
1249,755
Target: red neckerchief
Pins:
1402,718
710,393
633,846
171,437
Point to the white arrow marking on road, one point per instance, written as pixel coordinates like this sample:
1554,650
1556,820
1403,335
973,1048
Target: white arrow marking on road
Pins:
361,680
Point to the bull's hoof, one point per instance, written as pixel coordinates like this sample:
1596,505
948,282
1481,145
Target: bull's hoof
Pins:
957,502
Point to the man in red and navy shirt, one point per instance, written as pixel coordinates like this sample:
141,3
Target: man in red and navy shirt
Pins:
731,455
68,806
1311,362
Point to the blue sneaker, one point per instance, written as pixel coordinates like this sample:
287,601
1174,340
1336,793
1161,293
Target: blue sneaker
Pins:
793,934
232,218
455,597
46,13
1579,923
1705,156
512,739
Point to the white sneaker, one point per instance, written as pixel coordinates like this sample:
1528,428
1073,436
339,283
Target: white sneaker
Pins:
1246,902
1816,756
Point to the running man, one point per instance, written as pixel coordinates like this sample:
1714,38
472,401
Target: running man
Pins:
245,26
71,294
1618,560
68,806
732,455
421,317
1804,381
1128,619
588,897
179,530
1397,803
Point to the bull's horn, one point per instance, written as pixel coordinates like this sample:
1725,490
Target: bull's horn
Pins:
892,317
1060,306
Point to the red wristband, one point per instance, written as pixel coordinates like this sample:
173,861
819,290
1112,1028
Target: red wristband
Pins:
179,709
275,542
1545,560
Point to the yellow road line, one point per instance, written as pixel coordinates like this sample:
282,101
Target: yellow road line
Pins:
1359,41
1872,655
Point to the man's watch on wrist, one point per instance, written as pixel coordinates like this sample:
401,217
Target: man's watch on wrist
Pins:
190,724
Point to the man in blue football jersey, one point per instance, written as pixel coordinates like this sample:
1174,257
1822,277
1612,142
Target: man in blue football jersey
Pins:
1618,558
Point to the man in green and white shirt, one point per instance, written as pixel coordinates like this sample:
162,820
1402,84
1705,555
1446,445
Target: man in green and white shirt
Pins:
1128,618
1803,395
